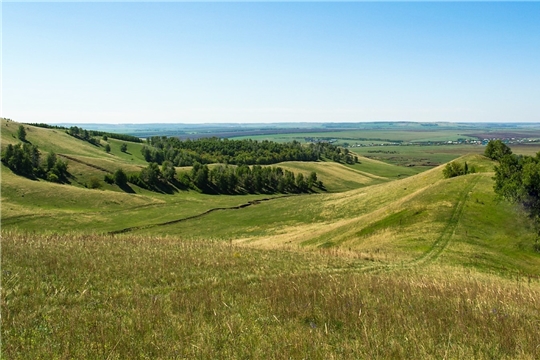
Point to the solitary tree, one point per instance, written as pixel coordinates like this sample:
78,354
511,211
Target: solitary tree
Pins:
21,133
120,177
496,149
123,147
108,148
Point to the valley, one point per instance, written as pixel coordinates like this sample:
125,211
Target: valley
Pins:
389,258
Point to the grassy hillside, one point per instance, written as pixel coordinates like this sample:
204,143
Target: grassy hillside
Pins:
336,177
365,209
388,263
59,142
408,220
31,204
153,297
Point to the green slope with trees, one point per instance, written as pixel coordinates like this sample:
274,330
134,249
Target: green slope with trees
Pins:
378,261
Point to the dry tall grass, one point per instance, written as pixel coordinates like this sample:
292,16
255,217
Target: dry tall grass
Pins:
145,297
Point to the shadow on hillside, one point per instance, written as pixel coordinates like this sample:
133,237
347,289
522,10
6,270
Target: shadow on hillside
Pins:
127,188
164,188
179,186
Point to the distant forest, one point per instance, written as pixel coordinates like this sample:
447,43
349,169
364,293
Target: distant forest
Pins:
239,152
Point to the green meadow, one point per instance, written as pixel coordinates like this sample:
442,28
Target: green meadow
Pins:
389,260
367,136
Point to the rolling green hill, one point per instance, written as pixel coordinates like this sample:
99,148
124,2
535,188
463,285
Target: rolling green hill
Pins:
30,204
365,208
372,208
388,262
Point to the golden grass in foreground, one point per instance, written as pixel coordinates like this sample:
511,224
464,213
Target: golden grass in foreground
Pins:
75,296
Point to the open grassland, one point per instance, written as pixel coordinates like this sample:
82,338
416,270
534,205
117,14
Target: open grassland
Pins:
416,155
387,221
384,169
399,222
419,156
335,177
389,262
526,149
369,136
366,172
38,205
81,296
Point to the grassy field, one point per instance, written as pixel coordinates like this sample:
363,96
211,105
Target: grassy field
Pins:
417,156
167,297
412,155
390,262
377,136
146,297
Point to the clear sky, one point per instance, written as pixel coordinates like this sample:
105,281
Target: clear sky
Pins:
270,62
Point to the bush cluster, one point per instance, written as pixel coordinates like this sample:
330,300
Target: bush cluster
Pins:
25,159
453,169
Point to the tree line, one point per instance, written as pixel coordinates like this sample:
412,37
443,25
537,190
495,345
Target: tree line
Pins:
220,179
517,179
89,135
238,152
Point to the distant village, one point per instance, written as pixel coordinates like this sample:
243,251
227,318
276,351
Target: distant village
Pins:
382,142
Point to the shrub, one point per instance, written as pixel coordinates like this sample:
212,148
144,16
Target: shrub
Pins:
120,177
453,169
52,177
109,179
94,183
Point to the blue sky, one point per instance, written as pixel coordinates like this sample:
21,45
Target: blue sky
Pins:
270,62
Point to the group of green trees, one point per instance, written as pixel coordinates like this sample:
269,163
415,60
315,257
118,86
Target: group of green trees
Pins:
90,136
223,179
220,179
517,179
238,152
454,168
25,159
83,134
